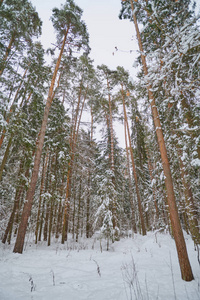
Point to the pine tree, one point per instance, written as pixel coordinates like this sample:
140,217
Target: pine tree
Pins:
175,221
66,23
19,24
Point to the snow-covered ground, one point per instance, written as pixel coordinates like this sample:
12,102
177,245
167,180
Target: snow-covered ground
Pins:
134,268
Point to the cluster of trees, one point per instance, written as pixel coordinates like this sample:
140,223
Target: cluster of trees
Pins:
55,178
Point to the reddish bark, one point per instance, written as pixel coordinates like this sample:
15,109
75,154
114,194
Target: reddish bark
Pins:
30,193
74,137
134,170
7,51
184,263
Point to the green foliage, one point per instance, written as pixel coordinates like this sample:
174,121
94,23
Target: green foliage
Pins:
69,18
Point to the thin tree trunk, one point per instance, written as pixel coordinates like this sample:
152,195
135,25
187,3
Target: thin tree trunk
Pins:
11,107
6,155
52,202
190,119
79,210
18,194
41,221
8,146
74,209
59,216
114,221
190,207
74,137
88,207
51,219
41,192
111,129
7,51
88,226
184,263
150,167
92,124
46,222
133,224
30,193
134,169
47,199
12,216
67,203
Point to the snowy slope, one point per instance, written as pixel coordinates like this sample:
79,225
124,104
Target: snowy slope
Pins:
134,268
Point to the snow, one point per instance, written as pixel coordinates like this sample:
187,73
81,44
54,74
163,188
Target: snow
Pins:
195,162
134,268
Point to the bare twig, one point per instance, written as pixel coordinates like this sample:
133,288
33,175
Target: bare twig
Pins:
98,268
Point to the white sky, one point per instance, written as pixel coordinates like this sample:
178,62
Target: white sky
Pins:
106,32
105,29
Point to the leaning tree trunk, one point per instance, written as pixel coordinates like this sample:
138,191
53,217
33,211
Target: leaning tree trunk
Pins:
7,51
11,107
184,262
5,155
30,193
12,216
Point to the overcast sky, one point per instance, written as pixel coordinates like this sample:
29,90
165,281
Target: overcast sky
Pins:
105,29
106,32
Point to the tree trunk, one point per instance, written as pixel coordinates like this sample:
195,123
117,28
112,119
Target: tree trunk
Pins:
41,192
190,119
5,156
11,108
112,157
150,167
12,216
46,222
52,201
184,263
190,207
88,207
41,221
7,52
134,169
74,137
133,224
59,215
30,193
88,226
79,211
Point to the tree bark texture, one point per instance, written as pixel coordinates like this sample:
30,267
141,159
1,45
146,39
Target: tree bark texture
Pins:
134,228
184,263
30,193
7,51
134,169
41,192
74,137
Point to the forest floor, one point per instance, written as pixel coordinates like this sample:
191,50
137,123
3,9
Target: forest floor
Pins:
139,267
